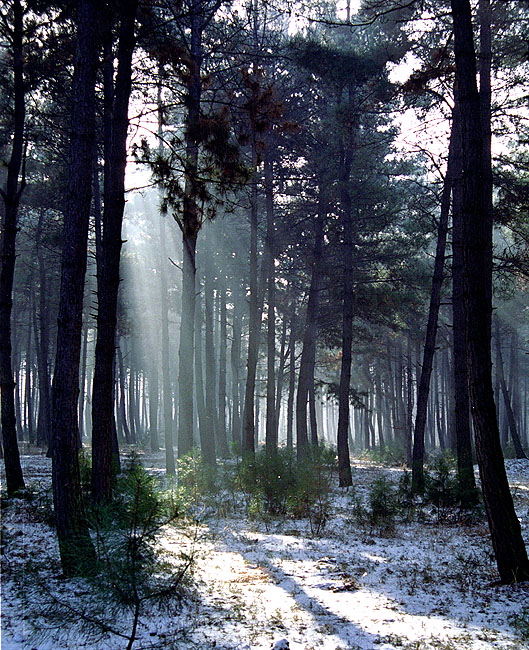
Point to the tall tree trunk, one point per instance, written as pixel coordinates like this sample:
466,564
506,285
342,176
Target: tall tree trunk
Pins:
511,555
235,359
82,380
344,462
223,344
167,403
205,423
281,373
308,351
43,344
248,435
154,401
506,397
291,376
75,546
11,198
211,370
116,125
433,317
271,424
190,224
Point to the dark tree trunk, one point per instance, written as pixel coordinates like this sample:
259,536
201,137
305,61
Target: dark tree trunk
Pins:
116,123
223,344
511,420
211,370
291,376
271,424
281,373
75,546
205,423
43,345
82,381
190,224
11,198
235,359
344,462
248,434
511,555
463,432
154,401
167,403
308,352
123,424
431,327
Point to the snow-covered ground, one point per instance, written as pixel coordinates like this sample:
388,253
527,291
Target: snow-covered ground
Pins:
424,585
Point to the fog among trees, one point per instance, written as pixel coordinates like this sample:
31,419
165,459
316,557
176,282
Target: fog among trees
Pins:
252,236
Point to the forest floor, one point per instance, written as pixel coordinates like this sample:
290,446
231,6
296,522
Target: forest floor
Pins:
422,584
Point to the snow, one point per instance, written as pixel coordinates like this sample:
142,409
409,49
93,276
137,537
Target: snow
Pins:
425,585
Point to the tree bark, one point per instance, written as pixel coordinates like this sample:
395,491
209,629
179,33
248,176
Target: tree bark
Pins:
431,327
308,351
11,198
75,546
108,278
511,555
271,424
511,420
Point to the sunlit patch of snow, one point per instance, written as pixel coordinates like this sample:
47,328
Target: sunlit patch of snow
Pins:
427,586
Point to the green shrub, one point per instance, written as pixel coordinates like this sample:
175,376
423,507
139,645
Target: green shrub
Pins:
393,454
383,505
440,483
277,485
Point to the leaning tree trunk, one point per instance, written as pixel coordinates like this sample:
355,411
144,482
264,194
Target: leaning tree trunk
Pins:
431,327
108,277
75,546
509,548
11,198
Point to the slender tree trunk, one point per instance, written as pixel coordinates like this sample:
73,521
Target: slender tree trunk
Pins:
82,380
506,397
223,344
271,423
190,225
11,198
511,555
211,370
75,546
344,463
116,125
281,374
248,436
206,431
308,353
235,359
167,403
431,327
291,376
124,427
